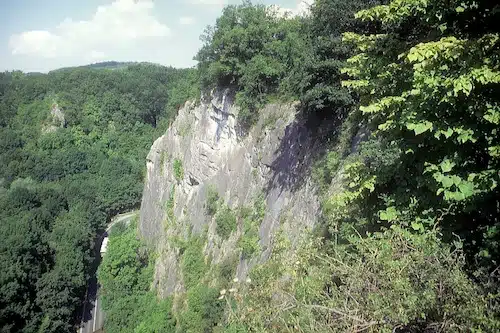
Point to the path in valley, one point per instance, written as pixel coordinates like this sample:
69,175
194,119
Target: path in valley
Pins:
93,317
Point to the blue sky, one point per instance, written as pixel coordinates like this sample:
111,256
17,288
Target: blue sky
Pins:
41,35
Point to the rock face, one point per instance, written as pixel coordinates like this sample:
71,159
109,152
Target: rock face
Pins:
271,160
56,119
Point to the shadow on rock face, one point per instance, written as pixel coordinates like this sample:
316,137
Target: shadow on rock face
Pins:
305,140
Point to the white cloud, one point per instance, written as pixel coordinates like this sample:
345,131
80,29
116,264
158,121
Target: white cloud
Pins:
118,25
209,2
301,9
186,20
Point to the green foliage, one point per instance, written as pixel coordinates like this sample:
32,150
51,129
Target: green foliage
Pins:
435,98
178,170
159,318
252,219
47,246
185,87
226,270
319,74
193,262
226,222
163,159
254,50
125,275
212,203
249,243
236,328
386,280
82,174
169,209
325,169
125,269
203,311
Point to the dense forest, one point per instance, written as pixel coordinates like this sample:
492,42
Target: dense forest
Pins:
410,244
72,149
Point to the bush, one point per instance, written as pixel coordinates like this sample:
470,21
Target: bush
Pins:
391,279
203,311
226,222
249,244
212,200
325,169
227,270
252,219
178,169
169,209
193,262
126,275
158,319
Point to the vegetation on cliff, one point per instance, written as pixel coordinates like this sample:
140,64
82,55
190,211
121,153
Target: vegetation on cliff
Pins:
409,236
411,242
408,240
127,273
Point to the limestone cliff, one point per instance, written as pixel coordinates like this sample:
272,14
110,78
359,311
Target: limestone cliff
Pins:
55,120
203,149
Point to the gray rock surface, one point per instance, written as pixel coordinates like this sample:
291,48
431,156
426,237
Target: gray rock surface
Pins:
273,160
56,119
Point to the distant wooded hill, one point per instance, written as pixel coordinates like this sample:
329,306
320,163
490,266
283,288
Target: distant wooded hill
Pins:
105,65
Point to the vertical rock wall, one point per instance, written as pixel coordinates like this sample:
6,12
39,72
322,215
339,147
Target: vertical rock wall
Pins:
270,161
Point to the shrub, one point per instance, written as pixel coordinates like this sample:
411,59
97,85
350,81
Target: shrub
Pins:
203,311
169,208
157,319
226,222
325,168
178,169
249,244
193,262
252,219
391,279
212,200
226,270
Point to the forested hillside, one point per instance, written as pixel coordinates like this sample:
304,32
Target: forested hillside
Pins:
408,240
409,234
72,149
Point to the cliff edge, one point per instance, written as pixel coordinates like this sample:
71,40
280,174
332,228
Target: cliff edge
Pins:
202,157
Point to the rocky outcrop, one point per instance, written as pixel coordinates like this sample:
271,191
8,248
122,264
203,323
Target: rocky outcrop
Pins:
56,119
270,161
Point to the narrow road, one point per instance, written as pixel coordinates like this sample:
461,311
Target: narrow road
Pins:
93,317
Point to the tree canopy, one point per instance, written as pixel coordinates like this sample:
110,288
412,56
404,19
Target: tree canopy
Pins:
408,237
72,150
